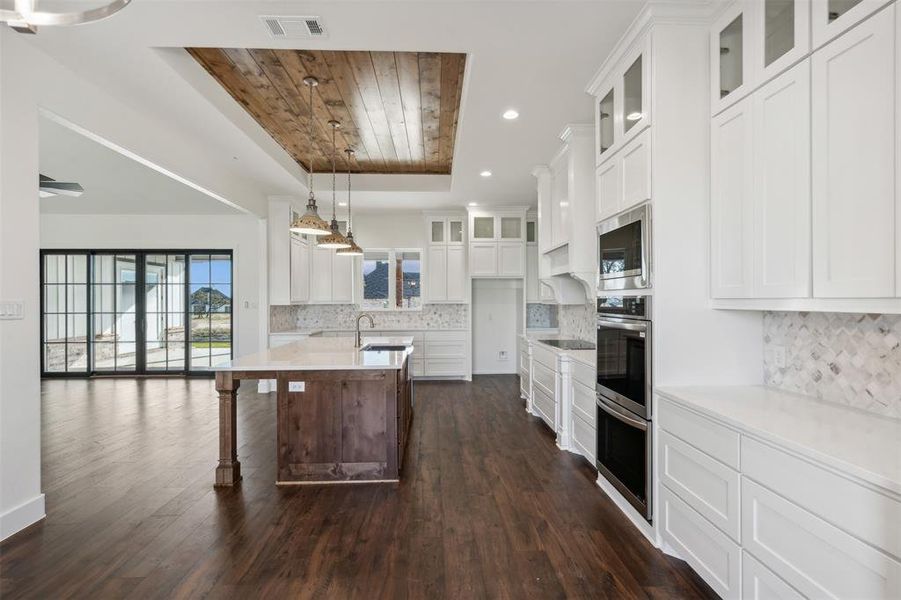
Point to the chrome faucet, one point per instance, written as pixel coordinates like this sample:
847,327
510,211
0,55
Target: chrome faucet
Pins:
359,340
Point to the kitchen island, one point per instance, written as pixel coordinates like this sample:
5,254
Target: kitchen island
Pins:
343,413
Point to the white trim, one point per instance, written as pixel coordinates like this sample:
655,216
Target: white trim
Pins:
392,274
18,518
646,529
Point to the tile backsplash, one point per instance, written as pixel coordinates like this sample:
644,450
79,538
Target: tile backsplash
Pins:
343,316
851,359
578,321
541,316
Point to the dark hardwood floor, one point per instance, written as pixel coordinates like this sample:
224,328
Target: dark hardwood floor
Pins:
488,508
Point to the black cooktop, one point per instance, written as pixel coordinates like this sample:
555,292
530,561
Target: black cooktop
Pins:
569,344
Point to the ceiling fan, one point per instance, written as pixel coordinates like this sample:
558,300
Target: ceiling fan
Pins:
48,187
25,19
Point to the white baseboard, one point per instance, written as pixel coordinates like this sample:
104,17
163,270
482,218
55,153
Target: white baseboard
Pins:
648,530
18,518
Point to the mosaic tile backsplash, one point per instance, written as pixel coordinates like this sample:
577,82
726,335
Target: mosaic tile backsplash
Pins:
578,321
541,316
343,316
844,358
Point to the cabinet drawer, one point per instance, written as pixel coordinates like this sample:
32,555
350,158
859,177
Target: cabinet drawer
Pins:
875,518
545,406
584,374
585,403
445,367
543,355
544,378
818,559
708,551
445,349
585,438
445,336
705,484
759,583
714,439
524,361
524,383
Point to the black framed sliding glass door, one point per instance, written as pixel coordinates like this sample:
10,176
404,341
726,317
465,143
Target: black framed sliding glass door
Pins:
135,312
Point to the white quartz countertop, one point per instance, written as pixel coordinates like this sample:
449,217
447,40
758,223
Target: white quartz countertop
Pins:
587,357
325,354
864,445
297,332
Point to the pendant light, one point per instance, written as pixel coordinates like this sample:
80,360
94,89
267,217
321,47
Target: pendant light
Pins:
334,239
311,223
353,250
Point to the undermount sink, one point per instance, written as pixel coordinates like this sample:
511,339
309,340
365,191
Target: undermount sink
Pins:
383,348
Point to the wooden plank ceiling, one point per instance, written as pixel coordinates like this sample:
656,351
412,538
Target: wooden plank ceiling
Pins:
398,110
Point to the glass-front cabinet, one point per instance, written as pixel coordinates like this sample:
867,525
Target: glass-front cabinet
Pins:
483,228
782,35
830,18
445,230
623,102
511,228
730,55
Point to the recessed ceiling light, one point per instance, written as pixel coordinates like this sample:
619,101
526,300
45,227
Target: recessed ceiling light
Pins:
634,116
473,204
342,204
485,173
510,114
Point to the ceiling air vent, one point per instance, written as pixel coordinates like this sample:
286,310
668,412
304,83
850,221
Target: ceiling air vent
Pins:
294,28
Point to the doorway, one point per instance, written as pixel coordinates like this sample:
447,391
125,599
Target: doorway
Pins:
106,312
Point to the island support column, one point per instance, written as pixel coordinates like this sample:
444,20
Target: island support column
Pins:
228,472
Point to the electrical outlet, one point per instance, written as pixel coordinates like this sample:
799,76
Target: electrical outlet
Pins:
12,309
779,357
502,355
296,386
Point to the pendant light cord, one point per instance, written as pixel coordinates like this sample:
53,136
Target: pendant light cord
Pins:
349,212
334,127
310,171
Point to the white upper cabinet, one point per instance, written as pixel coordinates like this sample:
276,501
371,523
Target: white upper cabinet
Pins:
300,270
731,56
511,259
731,208
445,270
331,277
854,115
781,35
560,200
624,181
483,227
623,103
497,242
781,148
830,18
609,189
483,259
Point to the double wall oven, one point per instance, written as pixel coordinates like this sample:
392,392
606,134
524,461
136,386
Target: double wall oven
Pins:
624,384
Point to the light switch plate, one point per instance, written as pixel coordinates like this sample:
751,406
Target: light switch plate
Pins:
502,355
12,309
296,386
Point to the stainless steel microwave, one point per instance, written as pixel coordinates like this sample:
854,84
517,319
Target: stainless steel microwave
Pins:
624,251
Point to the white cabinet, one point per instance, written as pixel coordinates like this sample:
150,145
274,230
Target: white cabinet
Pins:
831,18
731,209
560,222
781,214
731,57
623,101
445,259
759,583
497,243
853,169
300,270
781,35
624,181
331,277
608,188
533,288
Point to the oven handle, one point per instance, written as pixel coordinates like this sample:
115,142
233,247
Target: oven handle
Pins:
616,412
622,325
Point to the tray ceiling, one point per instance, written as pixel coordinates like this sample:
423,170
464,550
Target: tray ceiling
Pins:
398,110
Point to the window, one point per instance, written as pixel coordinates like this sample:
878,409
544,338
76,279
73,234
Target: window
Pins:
126,312
392,279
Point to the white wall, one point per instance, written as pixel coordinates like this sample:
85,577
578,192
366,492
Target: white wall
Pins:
388,229
21,500
496,324
244,235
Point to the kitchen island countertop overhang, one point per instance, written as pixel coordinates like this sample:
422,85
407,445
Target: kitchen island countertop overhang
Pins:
343,412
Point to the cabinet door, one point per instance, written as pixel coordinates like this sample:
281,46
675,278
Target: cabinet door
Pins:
455,232
853,169
731,180
300,271
511,259
342,279
608,190
511,228
636,96
636,171
782,186
483,227
830,18
456,274
532,274
781,35
606,113
321,275
483,259
437,274
560,204
437,231
731,57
